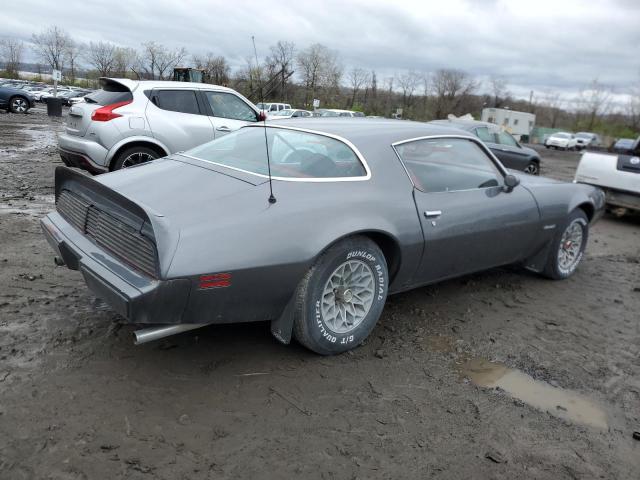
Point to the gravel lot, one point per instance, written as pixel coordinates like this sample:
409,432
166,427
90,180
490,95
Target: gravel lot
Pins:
79,401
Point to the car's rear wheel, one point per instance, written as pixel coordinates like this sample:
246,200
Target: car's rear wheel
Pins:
18,105
533,168
341,297
567,248
134,156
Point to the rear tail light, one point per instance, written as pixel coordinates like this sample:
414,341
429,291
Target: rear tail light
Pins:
106,113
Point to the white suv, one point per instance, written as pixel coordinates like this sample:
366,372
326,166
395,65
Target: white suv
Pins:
128,122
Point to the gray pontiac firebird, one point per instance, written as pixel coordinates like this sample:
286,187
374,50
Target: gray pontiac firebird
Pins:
361,209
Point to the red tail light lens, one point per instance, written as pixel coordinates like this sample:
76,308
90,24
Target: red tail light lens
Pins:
106,113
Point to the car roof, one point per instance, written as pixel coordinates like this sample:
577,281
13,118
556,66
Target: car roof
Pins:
361,131
133,84
464,124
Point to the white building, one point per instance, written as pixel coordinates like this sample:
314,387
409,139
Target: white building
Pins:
516,123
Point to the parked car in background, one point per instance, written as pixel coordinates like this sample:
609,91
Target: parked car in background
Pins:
335,112
508,150
618,175
292,113
625,145
128,122
273,107
15,100
563,140
193,239
587,139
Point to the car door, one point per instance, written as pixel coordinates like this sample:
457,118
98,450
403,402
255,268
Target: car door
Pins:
469,220
514,155
227,111
177,119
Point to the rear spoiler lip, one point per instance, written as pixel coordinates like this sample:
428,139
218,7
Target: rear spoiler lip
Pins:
131,85
64,175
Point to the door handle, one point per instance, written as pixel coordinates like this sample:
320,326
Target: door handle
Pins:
432,213
223,129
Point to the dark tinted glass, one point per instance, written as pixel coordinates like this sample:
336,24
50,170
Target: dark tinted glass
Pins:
448,164
183,101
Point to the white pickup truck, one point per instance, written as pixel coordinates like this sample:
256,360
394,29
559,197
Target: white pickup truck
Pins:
617,174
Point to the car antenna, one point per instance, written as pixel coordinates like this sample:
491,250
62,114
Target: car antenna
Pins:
272,199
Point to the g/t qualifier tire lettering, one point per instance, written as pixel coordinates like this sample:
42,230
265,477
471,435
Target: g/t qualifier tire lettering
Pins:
351,278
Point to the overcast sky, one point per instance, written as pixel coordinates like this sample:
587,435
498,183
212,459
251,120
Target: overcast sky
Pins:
539,45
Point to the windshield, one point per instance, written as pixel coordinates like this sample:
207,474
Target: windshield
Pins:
293,154
624,143
583,135
561,135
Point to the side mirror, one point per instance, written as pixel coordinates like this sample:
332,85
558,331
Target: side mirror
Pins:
262,116
510,182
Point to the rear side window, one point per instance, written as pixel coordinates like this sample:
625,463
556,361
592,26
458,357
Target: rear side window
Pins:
183,101
293,154
227,105
110,93
448,164
505,139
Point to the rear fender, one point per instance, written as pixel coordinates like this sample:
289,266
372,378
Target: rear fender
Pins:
135,139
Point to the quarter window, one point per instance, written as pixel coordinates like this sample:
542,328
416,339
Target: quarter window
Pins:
448,164
292,154
183,101
227,105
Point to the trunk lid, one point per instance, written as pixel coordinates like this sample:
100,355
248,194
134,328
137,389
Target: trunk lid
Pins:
111,91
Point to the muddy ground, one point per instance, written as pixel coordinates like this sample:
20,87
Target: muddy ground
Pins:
79,401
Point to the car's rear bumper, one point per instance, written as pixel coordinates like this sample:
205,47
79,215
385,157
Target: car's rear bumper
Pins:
80,152
619,198
80,160
137,298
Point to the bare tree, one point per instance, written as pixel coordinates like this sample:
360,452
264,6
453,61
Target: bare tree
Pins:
450,89
320,70
357,78
280,61
125,59
553,102
157,60
11,54
633,107
216,68
50,46
101,56
499,91
71,54
408,83
594,101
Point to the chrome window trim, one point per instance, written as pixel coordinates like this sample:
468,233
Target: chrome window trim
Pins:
476,140
353,148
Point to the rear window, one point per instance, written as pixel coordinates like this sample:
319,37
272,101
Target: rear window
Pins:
293,154
111,92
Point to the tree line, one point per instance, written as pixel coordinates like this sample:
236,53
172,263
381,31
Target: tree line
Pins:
299,75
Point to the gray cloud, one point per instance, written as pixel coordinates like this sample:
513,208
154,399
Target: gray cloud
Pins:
542,45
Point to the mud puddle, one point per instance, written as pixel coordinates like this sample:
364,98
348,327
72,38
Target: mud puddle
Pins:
561,403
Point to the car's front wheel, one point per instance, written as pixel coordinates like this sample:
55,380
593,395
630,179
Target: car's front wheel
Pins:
567,248
18,105
134,156
341,297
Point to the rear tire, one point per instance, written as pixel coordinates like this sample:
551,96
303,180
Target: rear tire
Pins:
567,247
339,300
133,156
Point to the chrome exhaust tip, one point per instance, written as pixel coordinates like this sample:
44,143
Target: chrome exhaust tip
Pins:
156,333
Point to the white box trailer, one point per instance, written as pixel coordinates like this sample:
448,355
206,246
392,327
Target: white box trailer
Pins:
516,123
